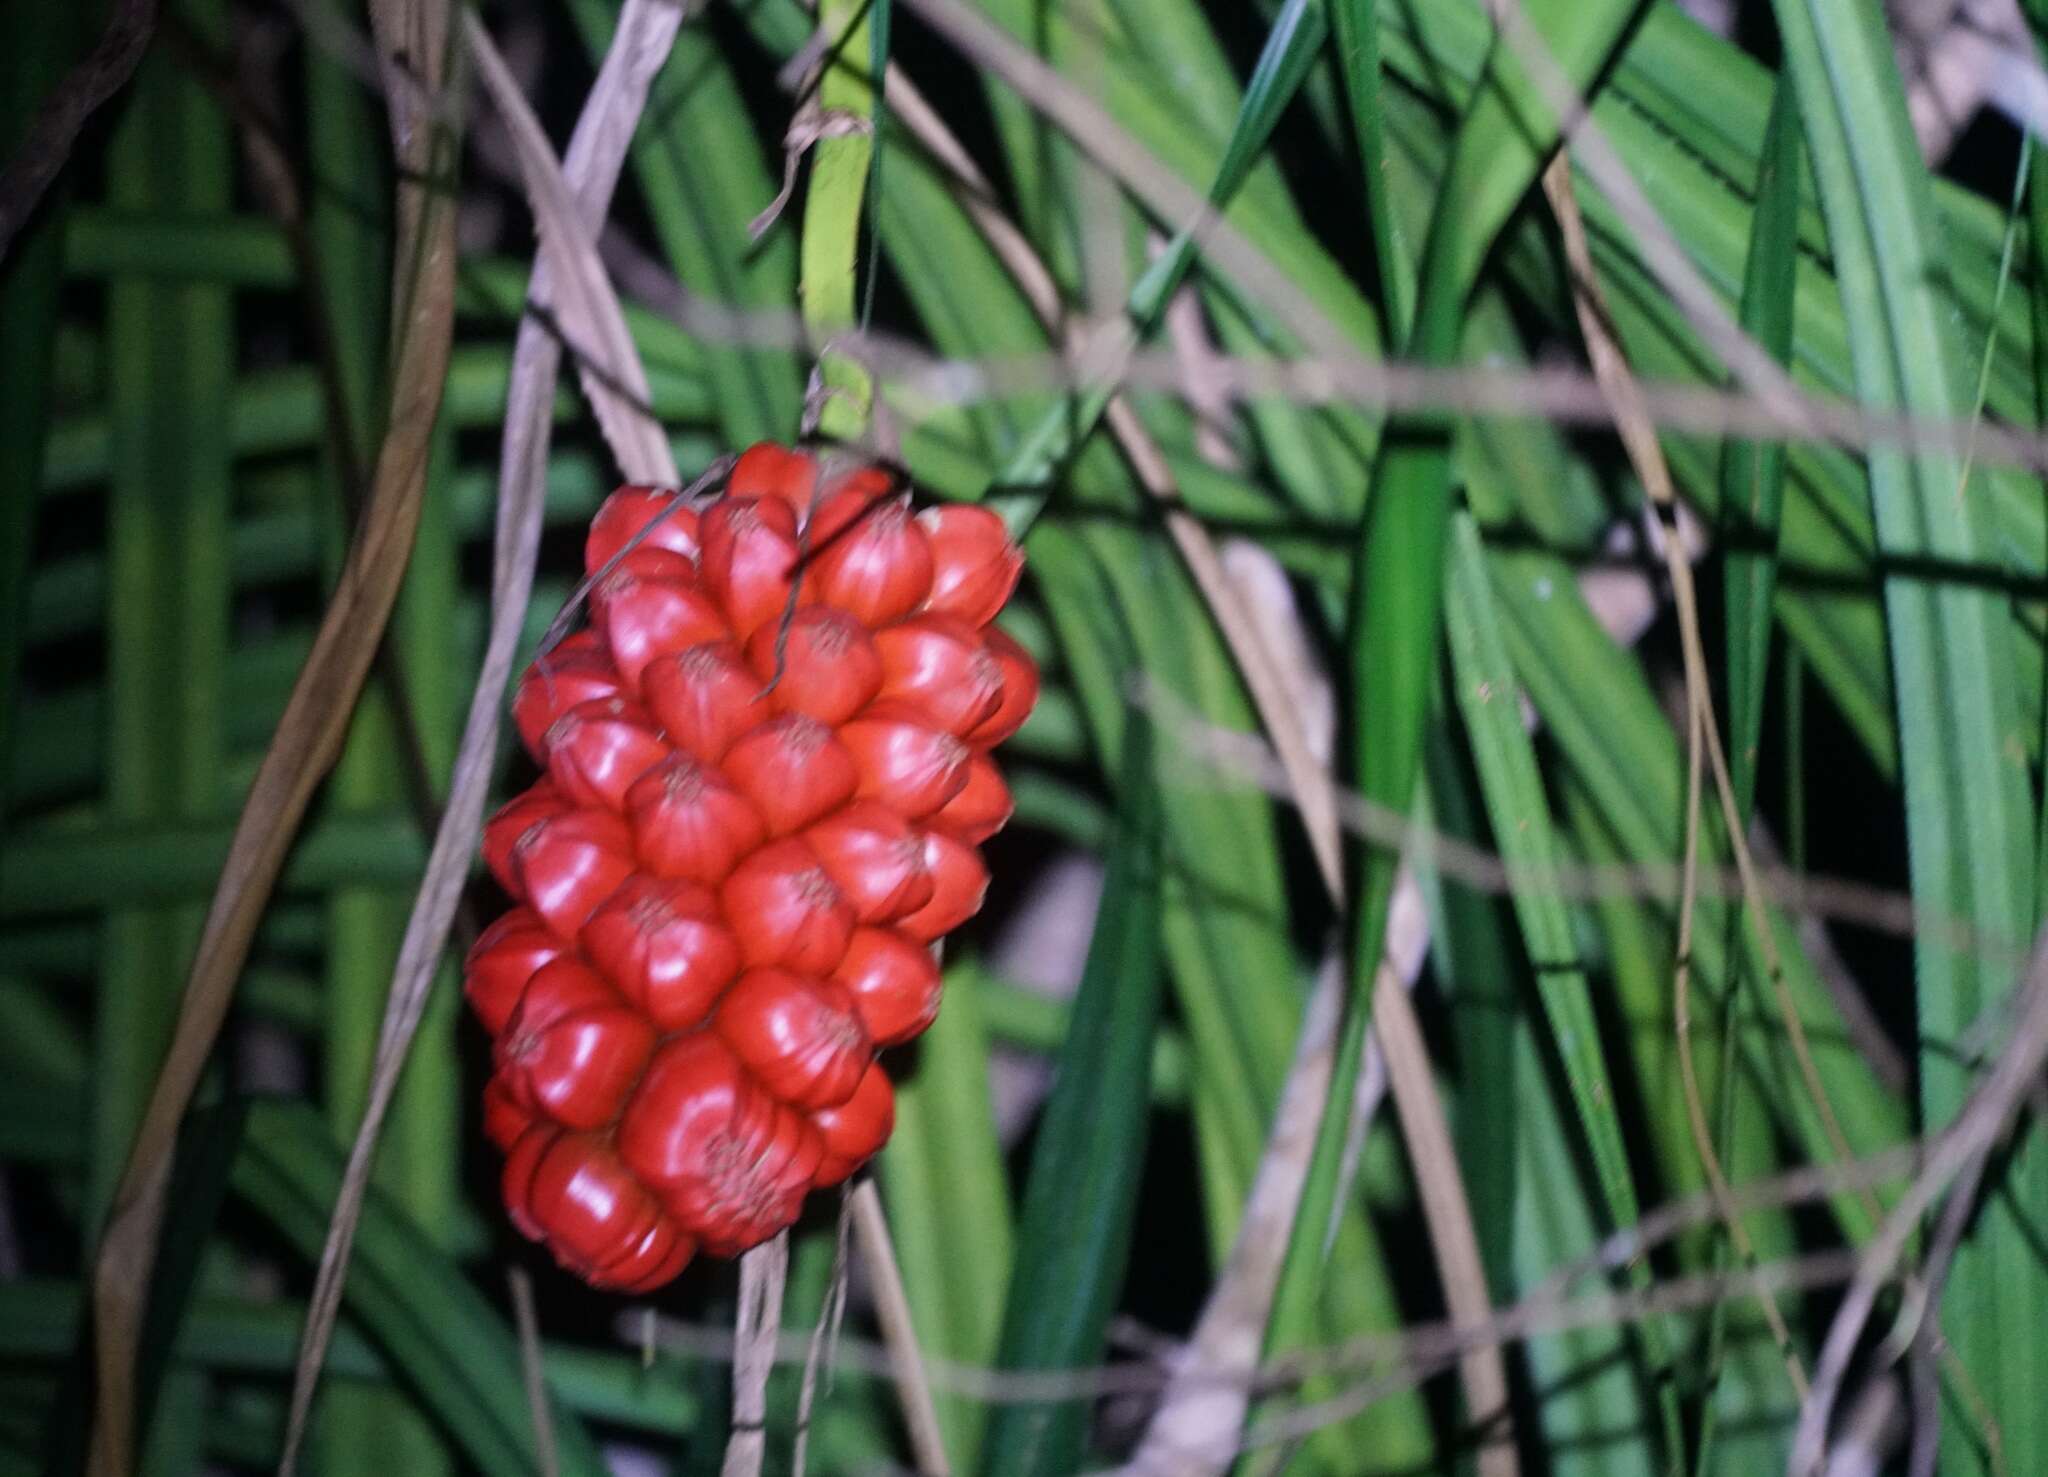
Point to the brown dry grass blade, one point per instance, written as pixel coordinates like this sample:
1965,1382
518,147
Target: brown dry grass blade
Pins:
86,89
1645,453
310,735
533,1370
586,307
764,1273
597,152
892,1309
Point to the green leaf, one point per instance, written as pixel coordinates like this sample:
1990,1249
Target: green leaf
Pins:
1753,472
1752,506
942,1176
1284,60
1291,46
1488,696
1500,147
841,164
30,281
2037,227
171,350
1686,111
1081,1194
1599,712
1969,807
199,1183
1515,1146
39,1321
439,1334
1358,57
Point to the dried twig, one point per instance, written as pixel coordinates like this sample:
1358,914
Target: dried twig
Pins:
922,384
533,1371
824,1337
596,155
1408,1357
1334,373
892,1307
1248,759
1647,456
1969,1136
586,308
86,89
1640,439
757,1332
1417,1353
1587,145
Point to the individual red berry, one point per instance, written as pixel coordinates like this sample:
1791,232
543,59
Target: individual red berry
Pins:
689,822
784,909
502,832
875,858
568,863
505,1118
569,1190
728,1160
597,749
645,615
894,983
665,947
938,666
983,806
640,518
974,563
504,957
767,470
750,560
959,883
574,1047
793,770
704,698
855,1130
797,1034
823,665
1020,690
577,671
905,762
867,555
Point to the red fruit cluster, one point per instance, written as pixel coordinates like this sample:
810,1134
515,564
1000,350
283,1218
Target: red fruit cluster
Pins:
767,776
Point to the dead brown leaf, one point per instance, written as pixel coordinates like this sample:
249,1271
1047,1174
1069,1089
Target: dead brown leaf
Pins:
586,307
310,735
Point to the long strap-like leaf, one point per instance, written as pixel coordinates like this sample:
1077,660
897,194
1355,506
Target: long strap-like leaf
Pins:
1501,145
1081,1197
1969,812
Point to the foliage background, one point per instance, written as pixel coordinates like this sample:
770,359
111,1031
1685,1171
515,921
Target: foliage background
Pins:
199,376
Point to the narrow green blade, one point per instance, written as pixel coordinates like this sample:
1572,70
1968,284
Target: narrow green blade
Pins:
426,1318
1500,148
1969,807
942,1176
1081,1195
1753,472
1290,47
1488,699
